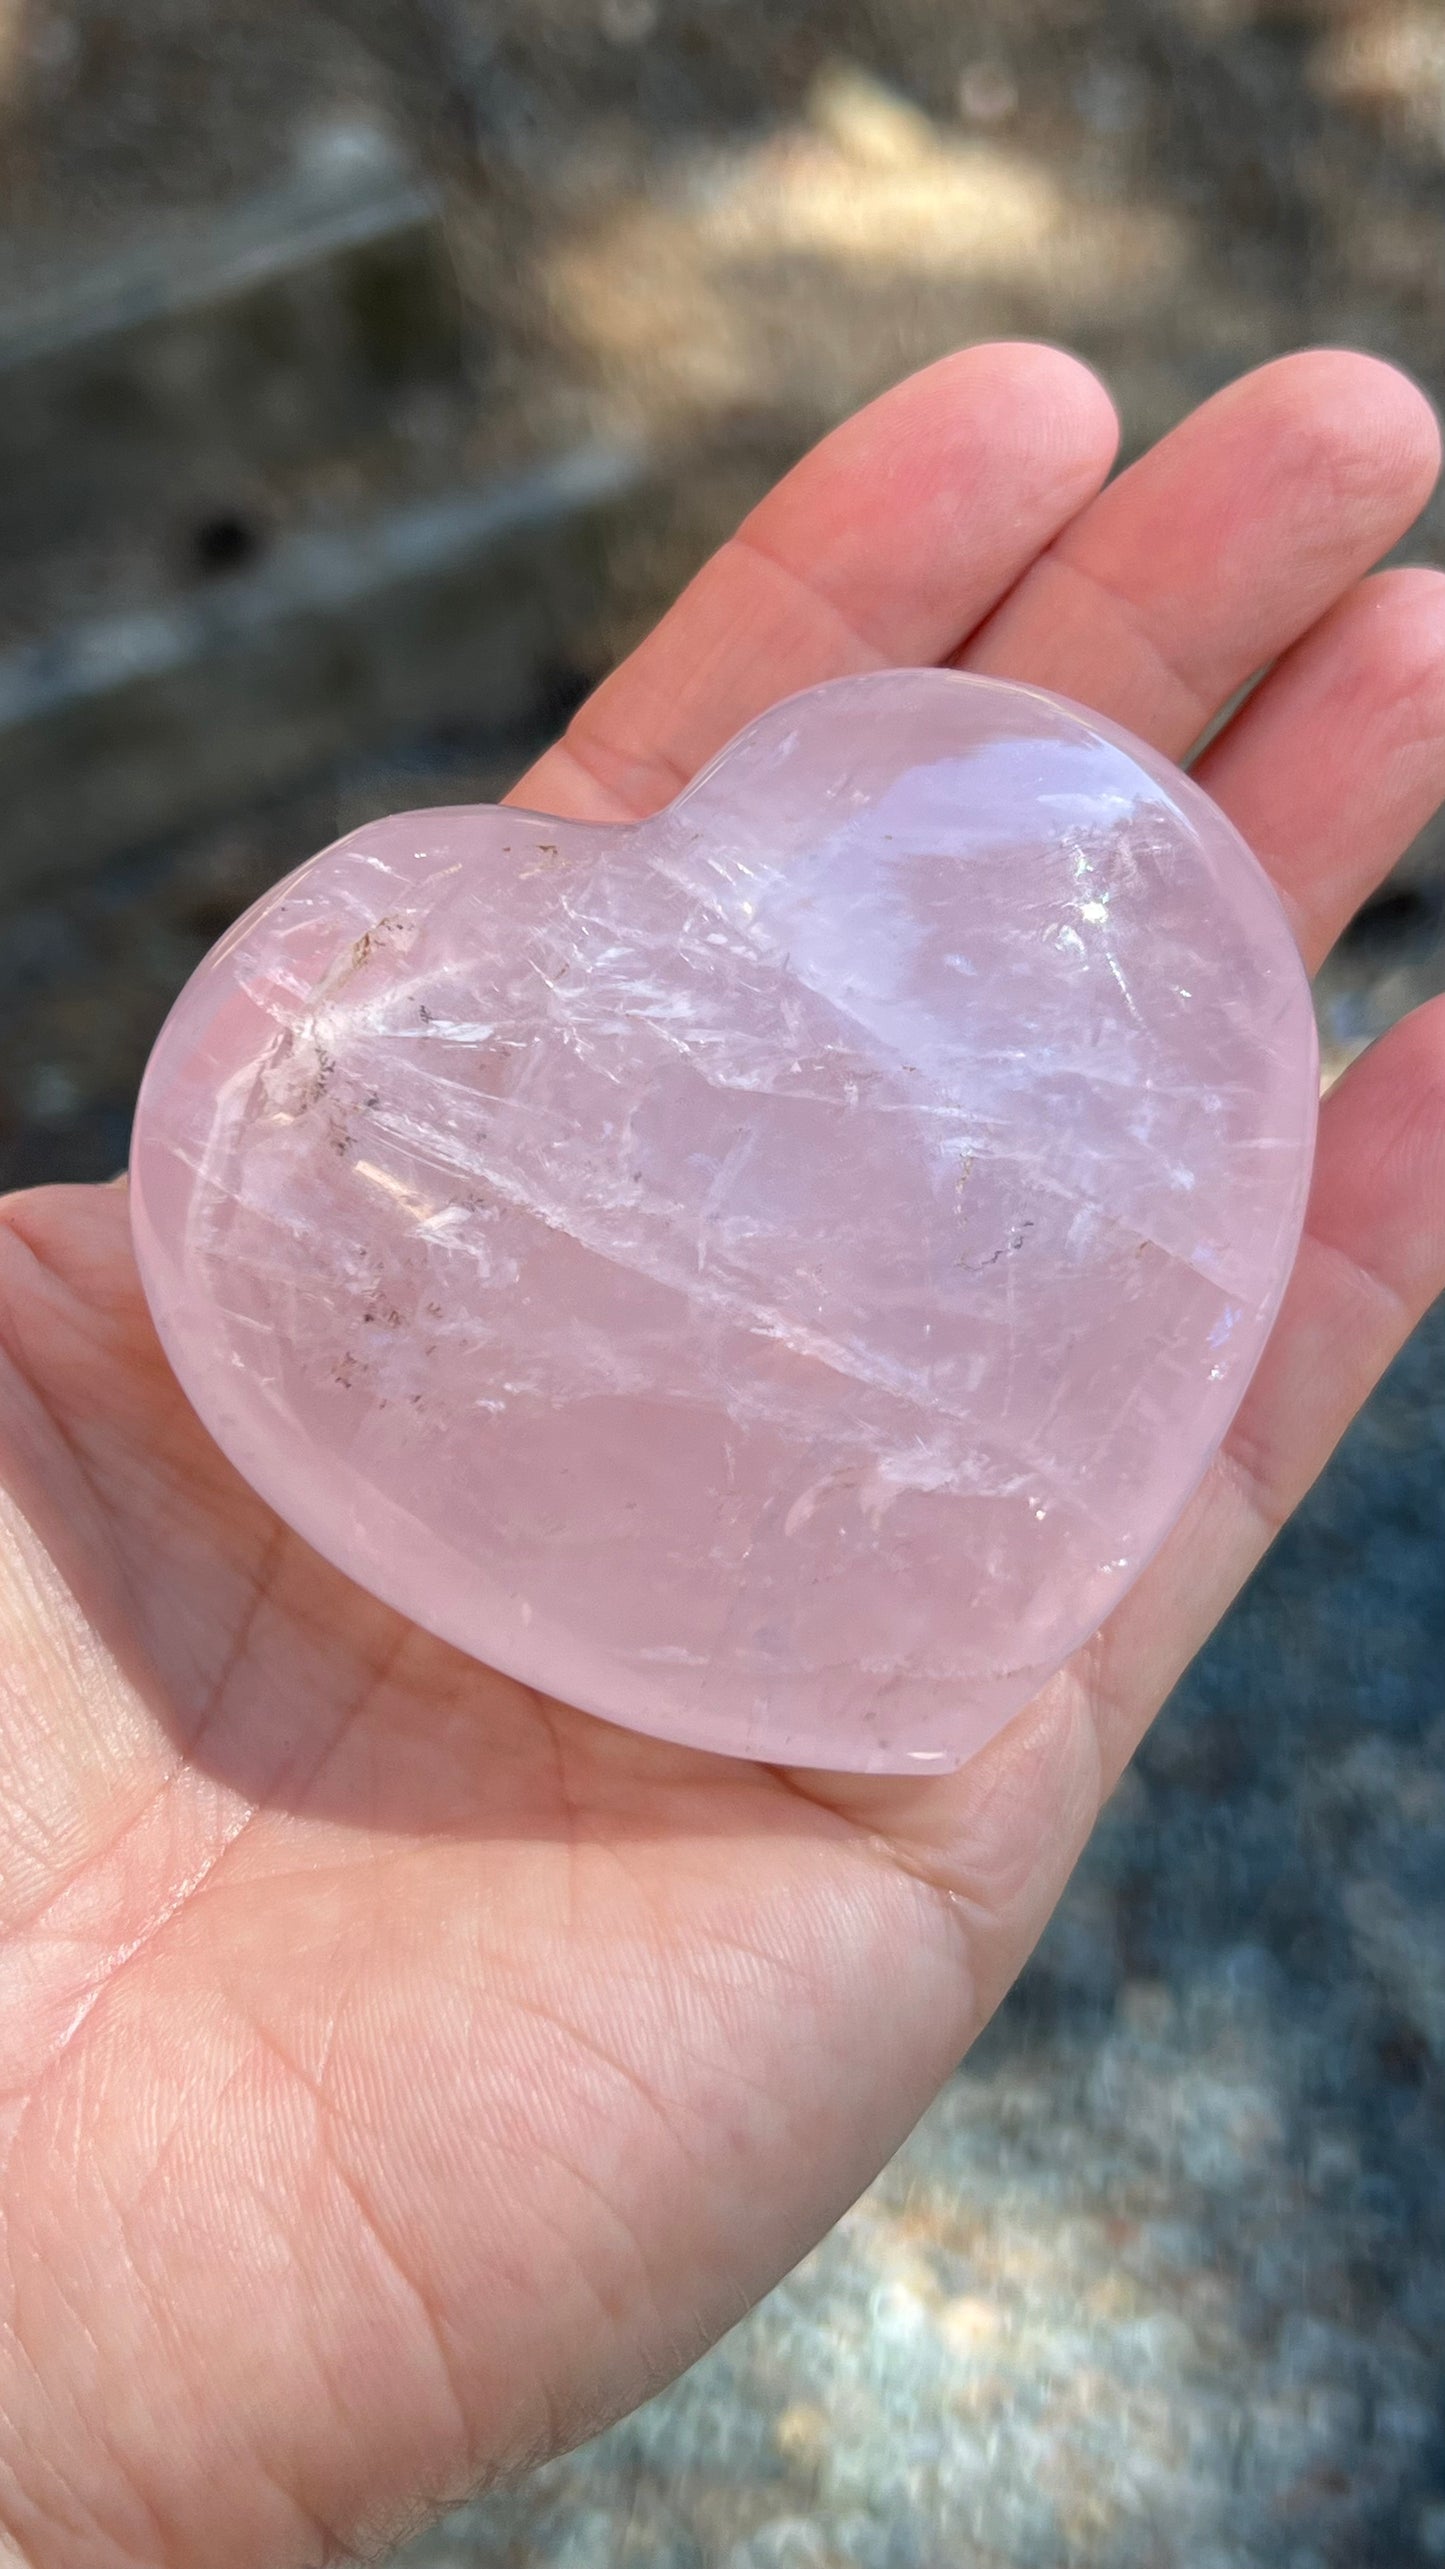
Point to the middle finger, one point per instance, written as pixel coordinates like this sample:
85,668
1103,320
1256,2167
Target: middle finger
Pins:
1221,546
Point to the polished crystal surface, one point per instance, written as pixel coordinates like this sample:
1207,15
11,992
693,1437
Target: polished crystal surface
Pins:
771,1275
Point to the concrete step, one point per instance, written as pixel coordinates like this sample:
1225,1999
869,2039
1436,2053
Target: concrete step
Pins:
454,609
151,383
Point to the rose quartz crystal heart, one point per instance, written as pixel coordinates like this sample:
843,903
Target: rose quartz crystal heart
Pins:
771,1275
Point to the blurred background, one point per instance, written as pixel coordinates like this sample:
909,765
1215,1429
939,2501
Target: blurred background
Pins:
371,371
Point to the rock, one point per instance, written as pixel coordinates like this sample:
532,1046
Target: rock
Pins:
770,1276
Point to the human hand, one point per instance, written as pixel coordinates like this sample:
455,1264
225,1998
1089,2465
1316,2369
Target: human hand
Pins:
403,2074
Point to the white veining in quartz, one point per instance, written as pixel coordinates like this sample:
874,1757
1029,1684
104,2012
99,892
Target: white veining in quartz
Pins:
772,1275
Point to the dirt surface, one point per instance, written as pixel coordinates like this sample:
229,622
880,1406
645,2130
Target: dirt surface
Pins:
720,225
711,212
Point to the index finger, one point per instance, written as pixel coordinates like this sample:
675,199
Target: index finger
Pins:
883,547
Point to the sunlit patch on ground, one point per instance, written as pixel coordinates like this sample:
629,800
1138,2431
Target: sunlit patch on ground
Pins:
716,283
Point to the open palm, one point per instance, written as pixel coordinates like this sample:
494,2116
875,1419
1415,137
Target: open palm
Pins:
401,2073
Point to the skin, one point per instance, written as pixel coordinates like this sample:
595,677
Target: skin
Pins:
400,2074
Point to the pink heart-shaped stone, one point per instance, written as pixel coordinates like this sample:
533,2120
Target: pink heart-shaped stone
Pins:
772,1275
